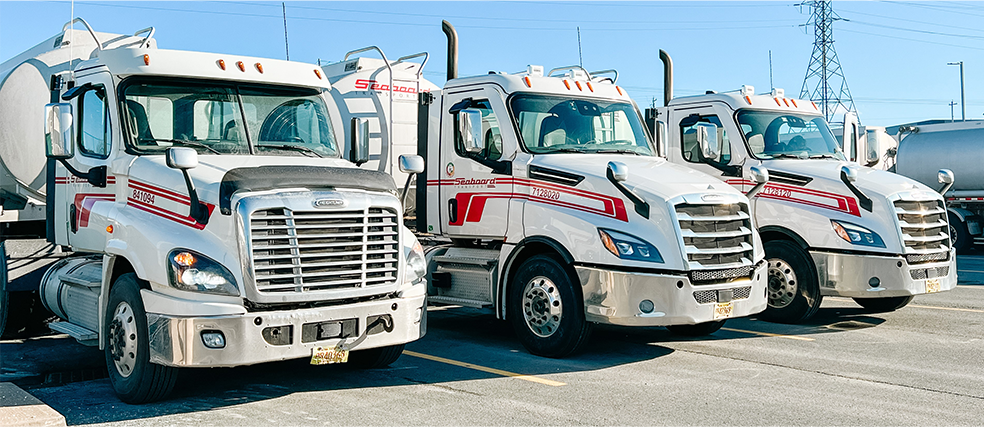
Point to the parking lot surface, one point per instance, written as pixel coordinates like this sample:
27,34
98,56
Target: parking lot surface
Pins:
921,365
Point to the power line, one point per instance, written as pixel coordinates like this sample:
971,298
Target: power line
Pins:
912,30
931,7
912,20
911,40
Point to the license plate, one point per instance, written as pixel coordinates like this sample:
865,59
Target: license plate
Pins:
329,355
932,285
723,310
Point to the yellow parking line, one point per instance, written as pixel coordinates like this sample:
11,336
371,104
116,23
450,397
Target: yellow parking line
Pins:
485,369
766,334
970,310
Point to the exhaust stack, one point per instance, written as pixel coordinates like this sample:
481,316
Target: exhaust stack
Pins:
667,76
452,49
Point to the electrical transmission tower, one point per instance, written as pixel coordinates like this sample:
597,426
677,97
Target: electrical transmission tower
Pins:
825,84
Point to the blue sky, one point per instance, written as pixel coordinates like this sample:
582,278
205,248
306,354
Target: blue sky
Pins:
894,54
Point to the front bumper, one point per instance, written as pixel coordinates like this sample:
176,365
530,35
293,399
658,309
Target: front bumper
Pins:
177,341
613,297
849,275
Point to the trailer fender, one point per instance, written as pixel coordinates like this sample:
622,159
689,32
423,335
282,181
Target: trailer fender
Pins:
961,213
534,245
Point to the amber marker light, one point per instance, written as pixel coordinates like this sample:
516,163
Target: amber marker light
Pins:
619,89
748,100
146,59
221,63
589,86
777,102
527,80
568,84
109,229
259,67
185,259
608,242
317,73
794,102
241,65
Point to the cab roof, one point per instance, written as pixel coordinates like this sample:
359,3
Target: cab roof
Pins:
745,98
575,81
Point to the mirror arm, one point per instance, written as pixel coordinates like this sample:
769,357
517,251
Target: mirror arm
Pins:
946,187
95,176
863,199
406,191
641,206
198,212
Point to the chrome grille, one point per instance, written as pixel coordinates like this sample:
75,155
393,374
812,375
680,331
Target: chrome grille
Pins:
711,296
716,236
720,275
924,230
302,251
929,273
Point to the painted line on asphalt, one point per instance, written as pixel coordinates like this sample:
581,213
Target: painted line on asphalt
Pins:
969,271
766,334
531,378
969,310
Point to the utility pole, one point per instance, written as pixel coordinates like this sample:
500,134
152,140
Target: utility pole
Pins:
825,83
951,110
963,106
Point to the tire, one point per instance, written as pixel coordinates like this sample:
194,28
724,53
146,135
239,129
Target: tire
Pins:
3,288
698,330
959,236
545,310
376,358
793,291
135,380
883,305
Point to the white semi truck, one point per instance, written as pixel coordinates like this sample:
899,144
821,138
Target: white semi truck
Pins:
829,227
546,202
957,145
210,218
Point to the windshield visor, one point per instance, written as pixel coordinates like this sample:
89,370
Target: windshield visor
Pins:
559,124
227,119
774,135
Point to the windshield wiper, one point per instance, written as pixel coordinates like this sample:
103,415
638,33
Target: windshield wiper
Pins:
822,156
618,151
182,142
297,148
564,150
785,156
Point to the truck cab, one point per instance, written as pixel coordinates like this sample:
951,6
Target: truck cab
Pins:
545,202
829,227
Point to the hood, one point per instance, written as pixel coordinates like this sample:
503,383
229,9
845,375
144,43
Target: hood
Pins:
826,176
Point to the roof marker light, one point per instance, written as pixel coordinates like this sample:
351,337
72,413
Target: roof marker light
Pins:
786,101
578,85
259,67
589,86
317,72
241,65
568,84
146,59
794,102
619,89
748,99
777,102
527,80
221,63
814,106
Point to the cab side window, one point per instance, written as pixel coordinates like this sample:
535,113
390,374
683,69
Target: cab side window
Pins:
691,149
490,131
94,131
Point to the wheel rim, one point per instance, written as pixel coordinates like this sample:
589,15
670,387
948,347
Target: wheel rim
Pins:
542,307
123,339
953,235
782,283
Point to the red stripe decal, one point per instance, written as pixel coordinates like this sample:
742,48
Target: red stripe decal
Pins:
83,206
173,216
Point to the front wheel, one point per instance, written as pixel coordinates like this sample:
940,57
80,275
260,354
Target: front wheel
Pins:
376,358
794,294
545,310
133,377
882,305
698,330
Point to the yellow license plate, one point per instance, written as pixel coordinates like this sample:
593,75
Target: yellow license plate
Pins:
329,355
723,310
932,285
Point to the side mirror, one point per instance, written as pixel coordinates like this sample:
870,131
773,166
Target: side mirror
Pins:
183,158
59,137
850,136
707,137
411,164
849,173
619,171
660,135
945,176
872,149
359,152
760,174
470,129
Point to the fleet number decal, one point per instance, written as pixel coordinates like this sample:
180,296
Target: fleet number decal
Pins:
546,194
778,192
143,196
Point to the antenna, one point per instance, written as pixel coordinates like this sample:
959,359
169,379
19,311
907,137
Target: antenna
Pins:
771,85
286,44
824,74
580,61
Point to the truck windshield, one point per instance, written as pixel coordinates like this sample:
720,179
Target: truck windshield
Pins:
776,135
227,119
549,124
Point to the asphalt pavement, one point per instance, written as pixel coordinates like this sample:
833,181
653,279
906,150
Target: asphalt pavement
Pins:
921,365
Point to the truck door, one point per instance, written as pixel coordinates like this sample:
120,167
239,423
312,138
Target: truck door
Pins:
475,187
684,148
77,197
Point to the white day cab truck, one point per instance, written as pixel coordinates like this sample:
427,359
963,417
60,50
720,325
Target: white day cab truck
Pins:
210,219
542,199
829,227
958,146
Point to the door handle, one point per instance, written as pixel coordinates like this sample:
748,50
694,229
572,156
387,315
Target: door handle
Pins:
453,210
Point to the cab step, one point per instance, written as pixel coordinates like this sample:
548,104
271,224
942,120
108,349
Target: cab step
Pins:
84,335
464,302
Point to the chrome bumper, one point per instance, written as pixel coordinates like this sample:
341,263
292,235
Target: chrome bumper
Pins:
177,341
613,297
850,275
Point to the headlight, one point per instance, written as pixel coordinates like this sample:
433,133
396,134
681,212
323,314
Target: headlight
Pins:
627,246
192,271
856,234
416,266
